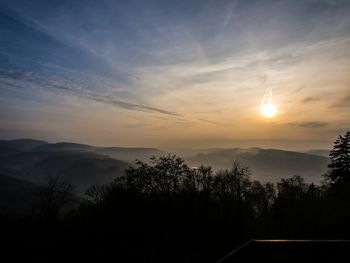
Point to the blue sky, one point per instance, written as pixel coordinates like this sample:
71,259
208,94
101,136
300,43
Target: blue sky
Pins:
159,72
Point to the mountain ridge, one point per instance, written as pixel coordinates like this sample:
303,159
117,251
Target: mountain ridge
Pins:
24,159
267,164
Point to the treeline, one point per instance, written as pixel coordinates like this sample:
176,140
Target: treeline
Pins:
166,211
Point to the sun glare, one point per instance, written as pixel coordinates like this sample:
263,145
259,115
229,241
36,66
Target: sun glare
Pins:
268,110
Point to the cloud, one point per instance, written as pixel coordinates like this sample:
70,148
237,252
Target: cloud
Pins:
309,99
24,81
194,63
310,124
210,121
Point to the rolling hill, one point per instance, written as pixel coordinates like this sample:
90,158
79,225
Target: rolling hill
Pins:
84,165
79,168
120,153
80,164
129,154
321,152
9,147
266,164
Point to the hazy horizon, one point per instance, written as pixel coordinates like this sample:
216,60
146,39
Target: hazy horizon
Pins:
188,147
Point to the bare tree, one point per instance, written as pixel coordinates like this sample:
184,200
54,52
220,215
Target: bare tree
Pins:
97,193
54,195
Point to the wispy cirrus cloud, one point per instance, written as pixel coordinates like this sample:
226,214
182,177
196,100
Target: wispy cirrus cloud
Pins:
200,67
22,80
309,99
310,124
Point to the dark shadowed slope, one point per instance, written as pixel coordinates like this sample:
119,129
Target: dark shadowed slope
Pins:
267,164
82,165
79,168
7,148
15,194
82,170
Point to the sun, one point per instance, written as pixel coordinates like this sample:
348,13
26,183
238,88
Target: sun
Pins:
268,110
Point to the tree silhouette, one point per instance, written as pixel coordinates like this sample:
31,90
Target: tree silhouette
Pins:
165,174
165,211
233,183
54,195
199,179
339,167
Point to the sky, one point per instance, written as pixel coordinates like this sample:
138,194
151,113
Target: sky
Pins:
175,73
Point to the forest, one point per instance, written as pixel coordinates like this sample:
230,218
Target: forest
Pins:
166,211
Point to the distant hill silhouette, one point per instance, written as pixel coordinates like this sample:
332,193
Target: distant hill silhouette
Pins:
84,165
79,168
129,154
27,144
321,152
120,153
65,147
8,147
266,164
80,164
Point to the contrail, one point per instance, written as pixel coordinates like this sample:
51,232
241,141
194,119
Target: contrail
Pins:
267,107
228,16
267,99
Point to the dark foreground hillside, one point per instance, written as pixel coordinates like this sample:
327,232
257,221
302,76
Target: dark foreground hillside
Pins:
166,211
16,195
81,165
